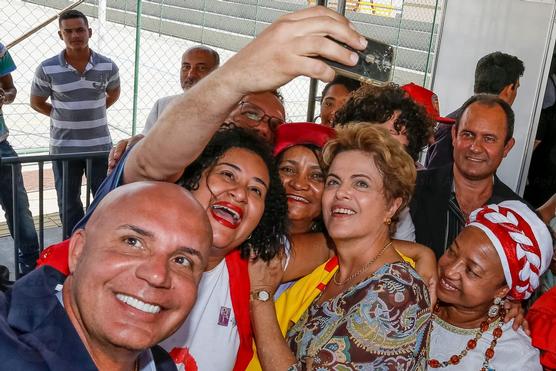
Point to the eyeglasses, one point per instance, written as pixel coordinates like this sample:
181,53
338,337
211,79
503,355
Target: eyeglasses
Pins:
255,116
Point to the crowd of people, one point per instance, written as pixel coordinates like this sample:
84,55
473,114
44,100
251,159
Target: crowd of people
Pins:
224,238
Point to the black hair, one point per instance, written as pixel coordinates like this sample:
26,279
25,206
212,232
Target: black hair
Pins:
267,239
375,104
72,14
491,100
318,223
495,71
350,84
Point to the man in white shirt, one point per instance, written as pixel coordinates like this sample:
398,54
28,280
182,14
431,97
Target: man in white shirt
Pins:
196,63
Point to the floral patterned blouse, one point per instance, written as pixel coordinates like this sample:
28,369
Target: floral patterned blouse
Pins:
381,323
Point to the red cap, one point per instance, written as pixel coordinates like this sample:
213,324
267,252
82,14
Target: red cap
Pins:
427,99
293,134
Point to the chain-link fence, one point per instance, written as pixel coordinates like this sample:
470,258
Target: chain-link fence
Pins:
168,27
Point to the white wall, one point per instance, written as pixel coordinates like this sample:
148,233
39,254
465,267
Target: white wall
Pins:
474,28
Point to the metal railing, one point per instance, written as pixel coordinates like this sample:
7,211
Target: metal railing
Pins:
40,160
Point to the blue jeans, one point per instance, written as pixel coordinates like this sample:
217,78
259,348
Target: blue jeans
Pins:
29,245
76,169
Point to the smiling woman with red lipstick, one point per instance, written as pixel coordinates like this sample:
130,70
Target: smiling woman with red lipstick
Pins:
236,181
373,294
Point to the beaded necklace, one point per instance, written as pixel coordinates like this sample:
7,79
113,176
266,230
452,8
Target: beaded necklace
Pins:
472,343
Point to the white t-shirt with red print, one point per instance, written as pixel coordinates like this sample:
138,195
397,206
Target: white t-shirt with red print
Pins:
209,338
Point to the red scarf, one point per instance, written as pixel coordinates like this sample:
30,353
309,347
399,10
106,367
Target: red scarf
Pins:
239,291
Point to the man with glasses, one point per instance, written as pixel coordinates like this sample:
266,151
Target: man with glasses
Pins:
262,112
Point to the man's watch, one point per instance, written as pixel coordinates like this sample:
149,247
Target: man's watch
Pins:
260,295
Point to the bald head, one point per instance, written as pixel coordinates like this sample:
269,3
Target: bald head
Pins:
135,268
196,63
150,195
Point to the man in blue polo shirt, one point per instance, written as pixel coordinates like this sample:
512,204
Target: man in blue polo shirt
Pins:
134,272
81,85
29,247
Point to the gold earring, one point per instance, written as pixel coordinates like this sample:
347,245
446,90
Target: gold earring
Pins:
388,221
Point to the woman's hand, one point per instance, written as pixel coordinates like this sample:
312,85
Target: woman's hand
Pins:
265,276
515,311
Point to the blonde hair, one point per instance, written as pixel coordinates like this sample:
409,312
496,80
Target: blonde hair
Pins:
392,161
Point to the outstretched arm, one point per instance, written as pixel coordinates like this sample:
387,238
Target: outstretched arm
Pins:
279,54
425,264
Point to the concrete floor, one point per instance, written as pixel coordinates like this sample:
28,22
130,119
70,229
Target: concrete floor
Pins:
52,224
51,236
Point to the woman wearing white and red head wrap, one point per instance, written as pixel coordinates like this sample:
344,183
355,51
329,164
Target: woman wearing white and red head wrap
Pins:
499,255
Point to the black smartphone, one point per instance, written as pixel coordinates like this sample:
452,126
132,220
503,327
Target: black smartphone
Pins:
375,64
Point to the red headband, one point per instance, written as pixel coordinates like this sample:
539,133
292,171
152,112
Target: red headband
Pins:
293,134
521,240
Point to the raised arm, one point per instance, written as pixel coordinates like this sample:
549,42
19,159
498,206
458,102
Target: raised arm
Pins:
279,54
425,264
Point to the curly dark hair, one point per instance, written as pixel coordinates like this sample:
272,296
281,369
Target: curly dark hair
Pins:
267,239
375,104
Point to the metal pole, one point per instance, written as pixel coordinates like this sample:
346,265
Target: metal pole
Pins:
136,69
65,188
312,98
42,25
429,51
15,224
313,86
341,7
101,29
41,205
438,42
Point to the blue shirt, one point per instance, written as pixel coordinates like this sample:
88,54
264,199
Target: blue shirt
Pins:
36,333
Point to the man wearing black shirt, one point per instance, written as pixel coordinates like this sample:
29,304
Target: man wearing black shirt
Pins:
444,197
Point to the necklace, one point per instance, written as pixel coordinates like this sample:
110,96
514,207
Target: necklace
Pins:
472,343
363,269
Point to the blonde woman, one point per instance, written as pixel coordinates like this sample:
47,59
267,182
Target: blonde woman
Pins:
375,311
